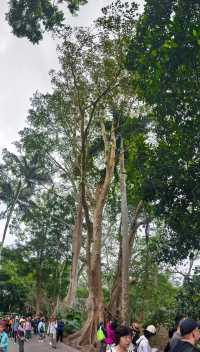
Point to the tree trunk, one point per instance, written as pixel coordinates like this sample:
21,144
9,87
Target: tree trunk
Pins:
76,246
9,216
114,307
87,336
125,239
38,298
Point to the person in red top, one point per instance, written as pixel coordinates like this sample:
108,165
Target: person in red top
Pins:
111,333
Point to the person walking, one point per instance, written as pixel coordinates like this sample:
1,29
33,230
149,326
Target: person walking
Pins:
21,335
15,328
28,329
60,330
3,339
51,331
41,329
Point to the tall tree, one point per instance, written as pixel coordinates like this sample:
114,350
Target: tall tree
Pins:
165,53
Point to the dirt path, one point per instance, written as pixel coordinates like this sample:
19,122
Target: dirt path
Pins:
36,346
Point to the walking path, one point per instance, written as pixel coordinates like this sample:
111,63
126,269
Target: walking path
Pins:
35,346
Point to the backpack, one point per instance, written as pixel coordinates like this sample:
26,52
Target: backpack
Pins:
42,329
100,335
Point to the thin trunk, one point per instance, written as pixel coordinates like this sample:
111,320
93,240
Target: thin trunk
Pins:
89,241
76,245
114,307
9,216
58,301
125,239
38,303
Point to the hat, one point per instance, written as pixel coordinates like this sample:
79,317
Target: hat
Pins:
187,326
151,329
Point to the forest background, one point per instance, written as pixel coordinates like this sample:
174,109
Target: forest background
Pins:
102,193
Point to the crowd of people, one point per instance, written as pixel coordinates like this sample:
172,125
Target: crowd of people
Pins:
114,338
111,338
21,330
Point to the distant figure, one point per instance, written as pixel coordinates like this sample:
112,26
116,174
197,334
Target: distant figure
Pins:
21,335
101,336
51,331
189,330
28,328
143,342
15,328
41,329
35,323
3,339
60,330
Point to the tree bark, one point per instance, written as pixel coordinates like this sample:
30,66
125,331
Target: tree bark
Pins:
76,246
125,239
38,298
114,307
87,336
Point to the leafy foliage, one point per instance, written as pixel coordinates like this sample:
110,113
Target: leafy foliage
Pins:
31,19
188,298
165,54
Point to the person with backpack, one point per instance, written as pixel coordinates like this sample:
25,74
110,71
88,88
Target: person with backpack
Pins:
41,330
3,339
123,340
15,328
101,335
142,344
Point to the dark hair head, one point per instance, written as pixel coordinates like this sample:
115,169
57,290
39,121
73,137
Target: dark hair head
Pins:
113,324
122,331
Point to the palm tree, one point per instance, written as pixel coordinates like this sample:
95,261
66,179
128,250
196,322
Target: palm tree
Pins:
19,177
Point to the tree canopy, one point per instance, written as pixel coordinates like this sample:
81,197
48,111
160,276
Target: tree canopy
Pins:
31,19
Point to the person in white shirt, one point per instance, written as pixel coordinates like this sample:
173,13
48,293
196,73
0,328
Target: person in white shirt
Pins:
143,342
51,331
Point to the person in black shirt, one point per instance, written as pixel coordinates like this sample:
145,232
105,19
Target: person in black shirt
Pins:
135,332
190,335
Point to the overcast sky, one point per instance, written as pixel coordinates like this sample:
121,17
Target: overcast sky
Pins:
24,69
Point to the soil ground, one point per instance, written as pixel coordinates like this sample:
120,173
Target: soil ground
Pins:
36,346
